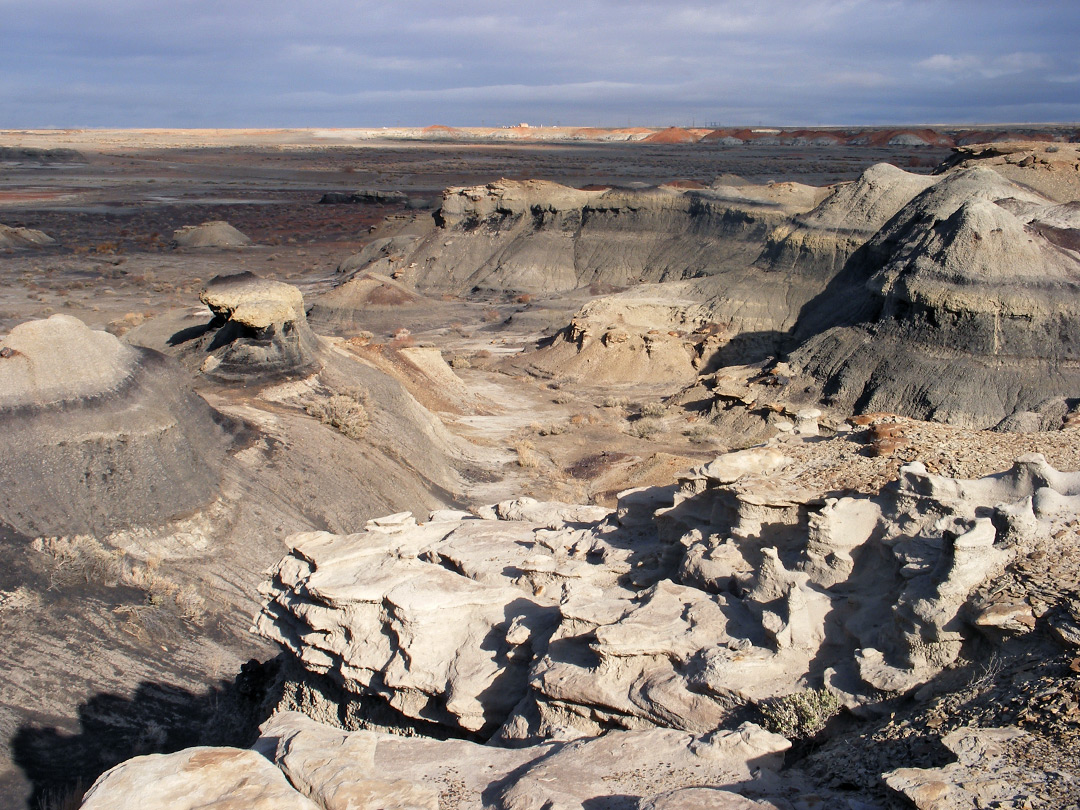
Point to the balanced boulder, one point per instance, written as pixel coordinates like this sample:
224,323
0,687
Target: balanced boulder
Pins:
259,329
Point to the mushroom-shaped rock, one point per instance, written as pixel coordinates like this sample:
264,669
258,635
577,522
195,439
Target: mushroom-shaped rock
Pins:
98,435
217,233
259,329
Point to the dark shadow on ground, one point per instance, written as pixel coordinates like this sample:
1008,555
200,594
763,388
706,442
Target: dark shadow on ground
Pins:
158,718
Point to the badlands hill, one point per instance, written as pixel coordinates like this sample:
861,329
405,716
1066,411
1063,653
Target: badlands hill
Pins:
946,297
124,439
136,517
475,473
963,313
11,238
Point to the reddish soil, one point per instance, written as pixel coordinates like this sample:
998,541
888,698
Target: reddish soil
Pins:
685,184
29,196
672,135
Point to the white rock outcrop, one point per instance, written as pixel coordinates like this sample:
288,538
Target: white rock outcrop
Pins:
554,623
194,779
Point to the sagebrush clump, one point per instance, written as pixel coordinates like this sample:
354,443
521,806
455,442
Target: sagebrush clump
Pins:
344,411
699,434
800,714
645,428
84,558
526,455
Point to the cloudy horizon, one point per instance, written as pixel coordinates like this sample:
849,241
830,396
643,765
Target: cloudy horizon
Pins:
135,63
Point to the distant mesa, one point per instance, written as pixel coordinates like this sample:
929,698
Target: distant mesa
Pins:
259,329
31,156
99,435
438,131
365,196
16,238
215,234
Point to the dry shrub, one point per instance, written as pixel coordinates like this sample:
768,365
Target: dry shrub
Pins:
345,412
653,409
553,429
524,298
84,558
79,558
562,398
65,797
699,434
403,339
526,456
491,315
163,592
645,428
361,339
614,402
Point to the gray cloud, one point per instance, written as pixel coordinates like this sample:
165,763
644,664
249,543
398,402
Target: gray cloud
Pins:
605,62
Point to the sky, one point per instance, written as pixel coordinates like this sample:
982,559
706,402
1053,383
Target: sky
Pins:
295,63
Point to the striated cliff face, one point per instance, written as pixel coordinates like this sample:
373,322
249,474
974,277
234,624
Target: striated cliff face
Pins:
747,307
540,237
962,309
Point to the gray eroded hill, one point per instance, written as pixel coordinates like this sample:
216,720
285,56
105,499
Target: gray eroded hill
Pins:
540,237
743,311
962,309
99,435
22,238
214,234
952,298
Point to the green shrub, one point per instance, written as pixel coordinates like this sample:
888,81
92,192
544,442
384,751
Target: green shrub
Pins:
800,714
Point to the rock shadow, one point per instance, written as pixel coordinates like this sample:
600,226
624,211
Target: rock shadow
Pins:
158,718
